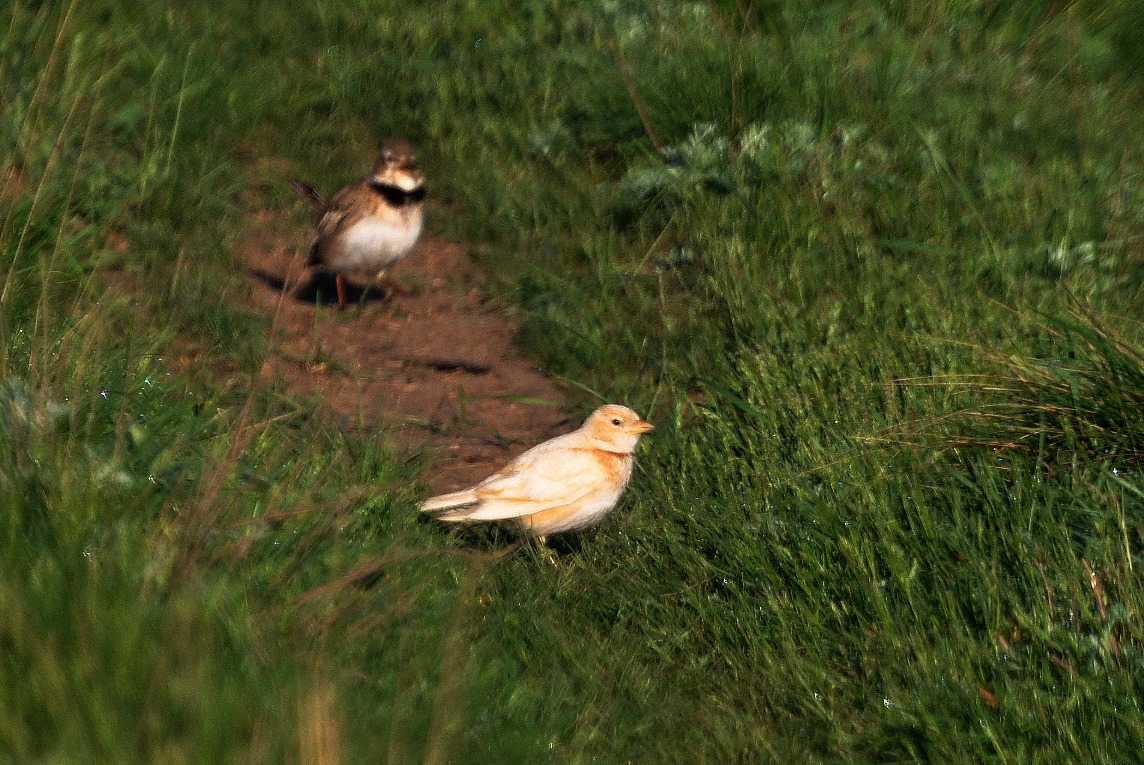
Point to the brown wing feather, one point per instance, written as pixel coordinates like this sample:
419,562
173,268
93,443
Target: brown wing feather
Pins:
317,202
340,211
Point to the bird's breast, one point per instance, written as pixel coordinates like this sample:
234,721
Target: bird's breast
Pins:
375,242
617,467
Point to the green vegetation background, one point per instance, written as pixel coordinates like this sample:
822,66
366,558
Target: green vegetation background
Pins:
874,269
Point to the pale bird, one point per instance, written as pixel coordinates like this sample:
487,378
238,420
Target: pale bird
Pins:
368,226
565,484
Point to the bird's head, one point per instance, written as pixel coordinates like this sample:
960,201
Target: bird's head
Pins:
616,428
397,165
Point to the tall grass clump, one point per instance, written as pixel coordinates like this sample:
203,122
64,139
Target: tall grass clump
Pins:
158,511
107,654
1081,403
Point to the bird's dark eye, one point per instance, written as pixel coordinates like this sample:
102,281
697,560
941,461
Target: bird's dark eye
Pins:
616,421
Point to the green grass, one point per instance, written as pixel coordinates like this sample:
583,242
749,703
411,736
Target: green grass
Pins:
873,270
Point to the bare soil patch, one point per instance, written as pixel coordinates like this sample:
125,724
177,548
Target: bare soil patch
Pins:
437,368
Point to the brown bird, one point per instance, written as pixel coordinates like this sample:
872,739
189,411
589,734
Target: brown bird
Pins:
368,226
565,484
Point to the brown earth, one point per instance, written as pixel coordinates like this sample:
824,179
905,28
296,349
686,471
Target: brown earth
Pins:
437,368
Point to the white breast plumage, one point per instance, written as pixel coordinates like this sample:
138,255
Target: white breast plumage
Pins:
372,244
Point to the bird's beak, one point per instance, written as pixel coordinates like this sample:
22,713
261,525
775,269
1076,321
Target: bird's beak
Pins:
642,427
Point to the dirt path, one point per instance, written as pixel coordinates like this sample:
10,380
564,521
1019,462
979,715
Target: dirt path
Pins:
436,367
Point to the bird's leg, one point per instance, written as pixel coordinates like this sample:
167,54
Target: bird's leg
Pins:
546,552
390,285
341,291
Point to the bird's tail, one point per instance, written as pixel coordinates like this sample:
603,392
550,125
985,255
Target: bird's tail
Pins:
458,499
317,202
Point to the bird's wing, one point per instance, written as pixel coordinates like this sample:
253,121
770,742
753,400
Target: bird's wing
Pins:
337,215
447,501
334,216
536,481
347,207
